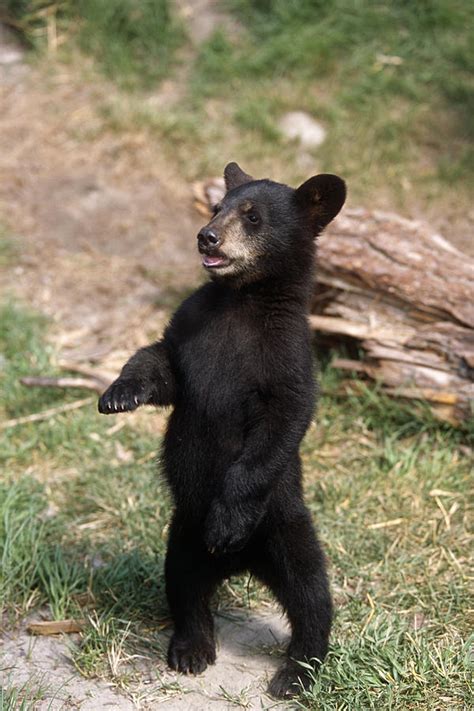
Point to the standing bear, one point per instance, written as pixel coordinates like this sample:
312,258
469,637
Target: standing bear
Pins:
235,363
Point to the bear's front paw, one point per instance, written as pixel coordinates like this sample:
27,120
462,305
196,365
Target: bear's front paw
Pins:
124,395
228,528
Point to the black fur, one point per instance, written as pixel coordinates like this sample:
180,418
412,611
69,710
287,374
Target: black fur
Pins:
236,364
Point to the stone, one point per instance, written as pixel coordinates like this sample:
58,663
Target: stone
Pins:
11,52
300,125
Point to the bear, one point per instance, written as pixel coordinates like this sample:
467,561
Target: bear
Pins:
236,365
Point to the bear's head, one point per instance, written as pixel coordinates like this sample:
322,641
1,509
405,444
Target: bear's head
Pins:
266,229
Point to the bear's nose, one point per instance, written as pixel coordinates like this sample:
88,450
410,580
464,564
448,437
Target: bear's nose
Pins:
207,238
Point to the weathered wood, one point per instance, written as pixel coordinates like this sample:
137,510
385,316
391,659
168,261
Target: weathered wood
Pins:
403,295
91,380
406,297
51,627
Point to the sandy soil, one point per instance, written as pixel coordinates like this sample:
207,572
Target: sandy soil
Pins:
238,678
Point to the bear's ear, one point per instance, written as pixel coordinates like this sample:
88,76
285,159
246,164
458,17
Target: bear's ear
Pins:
321,197
234,176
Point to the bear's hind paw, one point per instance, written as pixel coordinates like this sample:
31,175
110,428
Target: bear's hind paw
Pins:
290,680
190,655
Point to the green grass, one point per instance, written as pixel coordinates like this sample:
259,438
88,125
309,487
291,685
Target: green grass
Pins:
83,534
8,247
132,41
24,697
391,501
392,666
82,531
392,81
21,540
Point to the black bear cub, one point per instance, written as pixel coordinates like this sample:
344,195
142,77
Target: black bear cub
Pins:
235,364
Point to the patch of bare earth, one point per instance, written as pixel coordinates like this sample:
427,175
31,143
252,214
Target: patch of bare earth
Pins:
105,227
238,678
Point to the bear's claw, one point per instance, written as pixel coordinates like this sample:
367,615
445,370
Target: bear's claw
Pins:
122,396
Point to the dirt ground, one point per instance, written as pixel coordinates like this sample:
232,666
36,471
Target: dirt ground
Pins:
106,237
101,238
237,679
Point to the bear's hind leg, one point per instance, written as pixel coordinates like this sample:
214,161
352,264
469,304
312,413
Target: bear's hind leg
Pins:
291,563
191,579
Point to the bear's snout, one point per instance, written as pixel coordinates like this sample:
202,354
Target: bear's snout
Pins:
208,239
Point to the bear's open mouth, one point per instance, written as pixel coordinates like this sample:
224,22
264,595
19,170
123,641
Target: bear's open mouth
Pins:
215,261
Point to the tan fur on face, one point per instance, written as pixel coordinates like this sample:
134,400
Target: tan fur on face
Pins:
242,249
236,243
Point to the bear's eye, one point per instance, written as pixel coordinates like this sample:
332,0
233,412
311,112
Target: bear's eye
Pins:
252,217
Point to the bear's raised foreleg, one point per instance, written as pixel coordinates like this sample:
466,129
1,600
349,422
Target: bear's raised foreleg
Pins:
146,379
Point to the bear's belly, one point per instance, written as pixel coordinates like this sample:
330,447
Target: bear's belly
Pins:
197,452
216,371
204,438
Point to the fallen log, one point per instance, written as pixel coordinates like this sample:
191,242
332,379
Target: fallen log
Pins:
403,295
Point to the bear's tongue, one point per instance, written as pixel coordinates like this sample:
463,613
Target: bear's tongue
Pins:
209,261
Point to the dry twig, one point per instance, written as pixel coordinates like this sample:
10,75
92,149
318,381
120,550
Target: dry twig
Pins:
64,382
46,414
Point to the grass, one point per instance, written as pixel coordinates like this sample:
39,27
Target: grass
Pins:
83,534
24,697
133,42
22,541
394,518
392,667
83,513
8,248
383,77
392,81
